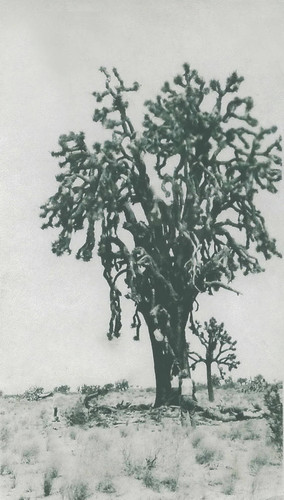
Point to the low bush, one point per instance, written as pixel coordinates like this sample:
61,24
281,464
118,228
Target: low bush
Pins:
171,483
229,483
5,435
120,385
50,474
275,416
5,467
106,485
229,383
216,381
258,460
33,393
208,451
77,490
76,415
88,389
29,453
63,389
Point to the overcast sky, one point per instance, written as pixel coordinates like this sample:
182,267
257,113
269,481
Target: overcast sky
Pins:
54,311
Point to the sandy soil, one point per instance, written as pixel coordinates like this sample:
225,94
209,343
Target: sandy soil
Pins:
135,453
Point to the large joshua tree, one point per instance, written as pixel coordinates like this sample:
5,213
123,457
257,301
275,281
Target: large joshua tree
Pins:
210,158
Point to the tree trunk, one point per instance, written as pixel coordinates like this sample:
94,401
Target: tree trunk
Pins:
163,359
162,367
209,382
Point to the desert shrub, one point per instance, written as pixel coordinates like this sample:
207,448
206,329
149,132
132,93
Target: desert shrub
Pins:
77,490
5,467
200,386
250,432
33,393
196,437
88,389
106,485
275,416
257,384
1,394
132,467
235,433
29,453
50,474
47,485
63,389
76,415
150,481
4,436
259,459
216,381
121,385
208,451
229,383
171,483
229,483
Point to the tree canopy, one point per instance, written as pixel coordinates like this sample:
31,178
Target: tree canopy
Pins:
200,144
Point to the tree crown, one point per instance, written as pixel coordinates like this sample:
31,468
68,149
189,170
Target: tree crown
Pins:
211,159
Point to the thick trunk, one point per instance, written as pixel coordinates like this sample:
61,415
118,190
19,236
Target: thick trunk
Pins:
209,382
162,367
163,357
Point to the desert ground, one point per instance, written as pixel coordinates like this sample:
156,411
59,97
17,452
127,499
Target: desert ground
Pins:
126,449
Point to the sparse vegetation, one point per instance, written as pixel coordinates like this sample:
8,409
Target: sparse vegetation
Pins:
33,393
77,490
50,474
63,389
4,436
30,452
275,417
76,415
106,485
229,484
136,455
5,466
259,459
208,451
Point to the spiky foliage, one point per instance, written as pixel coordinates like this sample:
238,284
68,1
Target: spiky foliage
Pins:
219,348
201,145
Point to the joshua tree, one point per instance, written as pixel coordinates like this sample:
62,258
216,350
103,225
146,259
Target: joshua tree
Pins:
200,145
219,349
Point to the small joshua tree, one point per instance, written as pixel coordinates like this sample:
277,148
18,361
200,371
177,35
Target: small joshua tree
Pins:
219,349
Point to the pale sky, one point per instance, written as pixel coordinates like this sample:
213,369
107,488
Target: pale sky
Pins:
54,311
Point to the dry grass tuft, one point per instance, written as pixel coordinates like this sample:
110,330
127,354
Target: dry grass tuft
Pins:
106,485
76,490
30,453
209,451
